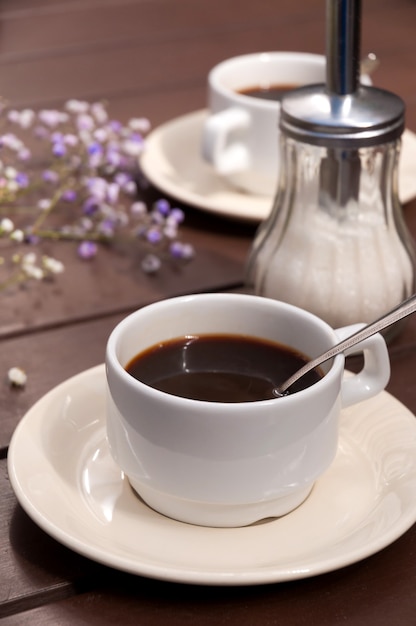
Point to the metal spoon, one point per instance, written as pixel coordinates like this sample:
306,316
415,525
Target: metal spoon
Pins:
402,310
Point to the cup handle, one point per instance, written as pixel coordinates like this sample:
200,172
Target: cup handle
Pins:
223,140
375,373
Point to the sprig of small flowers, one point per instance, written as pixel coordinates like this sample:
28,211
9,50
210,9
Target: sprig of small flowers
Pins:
78,163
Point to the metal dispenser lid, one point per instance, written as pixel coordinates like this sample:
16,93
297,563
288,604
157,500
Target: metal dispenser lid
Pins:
342,113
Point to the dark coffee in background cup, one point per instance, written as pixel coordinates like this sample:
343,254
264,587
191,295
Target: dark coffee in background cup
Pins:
219,368
270,92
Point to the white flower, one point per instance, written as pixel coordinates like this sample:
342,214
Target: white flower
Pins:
52,118
29,258
113,191
27,117
30,268
85,122
151,264
170,230
11,141
23,118
17,377
6,225
98,187
70,139
99,112
12,186
101,135
52,265
44,204
13,116
17,235
10,172
24,154
132,148
85,136
138,208
76,106
87,224
139,124
130,188
33,271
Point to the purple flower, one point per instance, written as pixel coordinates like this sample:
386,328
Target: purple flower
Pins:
49,176
69,195
122,178
32,239
115,126
106,228
95,148
153,235
87,250
113,157
24,154
22,179
181,250
162,206
58,149
41,132
90,206
57,137
178,215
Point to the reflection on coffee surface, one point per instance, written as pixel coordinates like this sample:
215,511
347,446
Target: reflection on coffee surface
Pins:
270,92
220,368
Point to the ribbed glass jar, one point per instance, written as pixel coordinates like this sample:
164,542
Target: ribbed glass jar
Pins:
335,243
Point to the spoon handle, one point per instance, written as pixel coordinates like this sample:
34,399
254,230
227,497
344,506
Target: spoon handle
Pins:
402,310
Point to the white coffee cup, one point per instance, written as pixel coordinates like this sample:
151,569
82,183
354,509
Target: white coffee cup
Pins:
230,464
240,136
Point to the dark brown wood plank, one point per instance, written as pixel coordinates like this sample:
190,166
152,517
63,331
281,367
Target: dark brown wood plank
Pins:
102,73
92,62
32,565
62,28
48,358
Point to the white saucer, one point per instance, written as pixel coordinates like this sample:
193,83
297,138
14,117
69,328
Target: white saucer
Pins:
63,476
172,162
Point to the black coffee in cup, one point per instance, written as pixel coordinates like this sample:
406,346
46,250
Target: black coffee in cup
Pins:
219,368
270,92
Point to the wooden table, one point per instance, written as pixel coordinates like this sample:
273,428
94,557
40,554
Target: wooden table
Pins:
150,58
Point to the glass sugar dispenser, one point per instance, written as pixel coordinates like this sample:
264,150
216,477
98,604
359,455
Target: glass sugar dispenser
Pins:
336,242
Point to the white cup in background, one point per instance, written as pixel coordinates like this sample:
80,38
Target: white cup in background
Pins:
240,137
